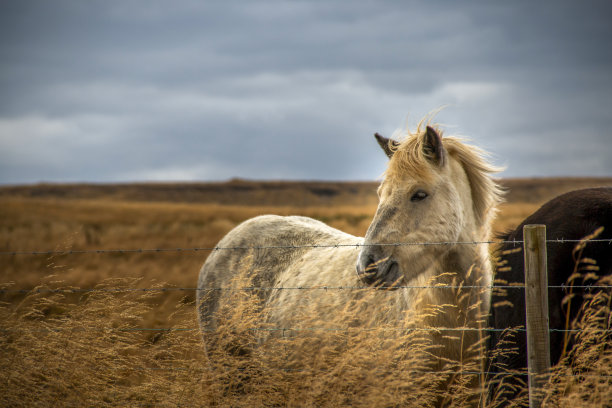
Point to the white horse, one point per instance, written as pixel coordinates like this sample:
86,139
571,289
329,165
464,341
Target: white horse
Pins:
435,190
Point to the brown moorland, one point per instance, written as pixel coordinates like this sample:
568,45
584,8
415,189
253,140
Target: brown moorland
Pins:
133,339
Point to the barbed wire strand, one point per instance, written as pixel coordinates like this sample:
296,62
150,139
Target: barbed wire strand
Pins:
289,329
311,246
322,371
265,288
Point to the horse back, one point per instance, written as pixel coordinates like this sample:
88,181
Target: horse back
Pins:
571,216
255,254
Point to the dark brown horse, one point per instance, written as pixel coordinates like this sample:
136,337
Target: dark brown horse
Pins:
570,217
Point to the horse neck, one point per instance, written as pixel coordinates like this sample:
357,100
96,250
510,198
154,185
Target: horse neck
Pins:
469,265
468,262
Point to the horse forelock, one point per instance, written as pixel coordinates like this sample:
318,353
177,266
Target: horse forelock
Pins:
410,159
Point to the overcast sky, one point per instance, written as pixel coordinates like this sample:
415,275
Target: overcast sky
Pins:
133,90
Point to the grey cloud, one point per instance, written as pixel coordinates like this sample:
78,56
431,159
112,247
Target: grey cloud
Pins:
210,90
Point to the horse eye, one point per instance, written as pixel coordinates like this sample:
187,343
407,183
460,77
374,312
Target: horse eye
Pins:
419,196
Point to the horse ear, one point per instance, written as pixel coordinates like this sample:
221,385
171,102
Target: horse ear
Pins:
388,145
433,147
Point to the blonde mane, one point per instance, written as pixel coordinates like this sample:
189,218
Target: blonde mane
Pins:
410,157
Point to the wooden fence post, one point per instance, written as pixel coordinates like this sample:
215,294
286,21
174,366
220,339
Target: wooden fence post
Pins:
536,309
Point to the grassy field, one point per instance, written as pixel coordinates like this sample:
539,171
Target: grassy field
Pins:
62,346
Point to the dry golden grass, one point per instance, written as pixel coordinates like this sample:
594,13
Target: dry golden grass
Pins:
83,348
584,378
86,352
92,349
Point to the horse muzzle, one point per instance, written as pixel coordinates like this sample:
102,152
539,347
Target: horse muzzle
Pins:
381,273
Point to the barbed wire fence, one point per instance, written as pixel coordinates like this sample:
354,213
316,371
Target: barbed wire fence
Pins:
105,251
267,247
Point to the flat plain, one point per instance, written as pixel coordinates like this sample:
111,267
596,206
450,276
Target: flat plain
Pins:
59,241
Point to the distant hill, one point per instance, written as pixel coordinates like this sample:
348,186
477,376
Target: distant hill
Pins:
276,193
538,190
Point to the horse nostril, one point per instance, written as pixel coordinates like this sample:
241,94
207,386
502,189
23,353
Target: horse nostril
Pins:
371,265
367,269
373,270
